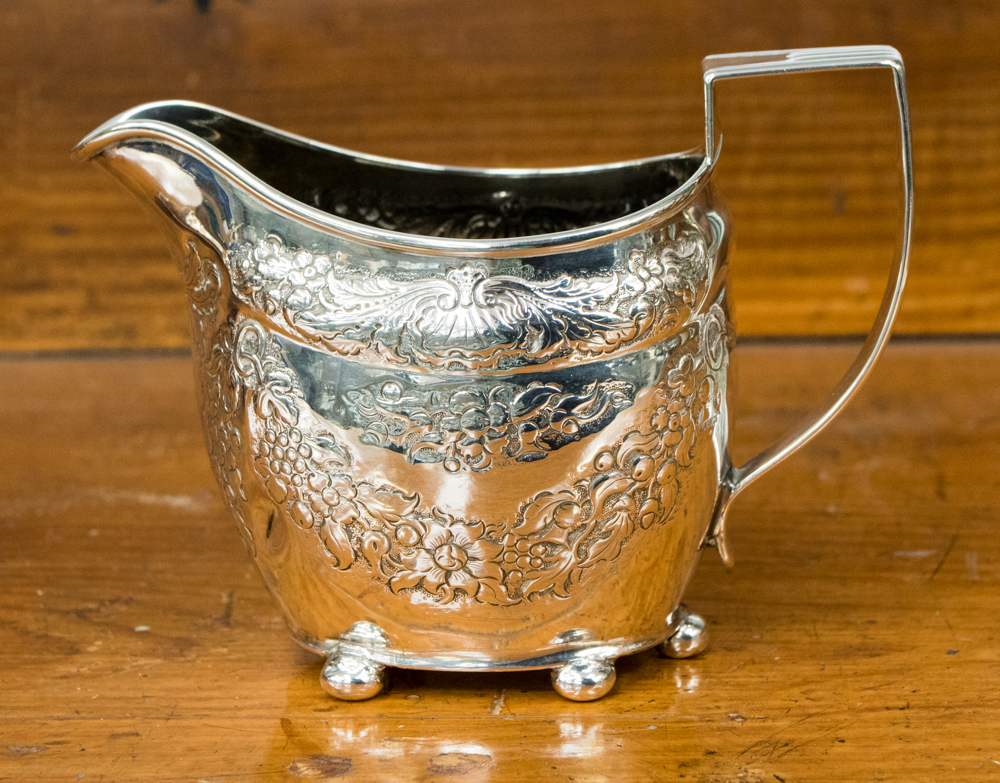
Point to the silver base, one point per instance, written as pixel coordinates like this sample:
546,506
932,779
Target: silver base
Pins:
352,677
356,663
689,638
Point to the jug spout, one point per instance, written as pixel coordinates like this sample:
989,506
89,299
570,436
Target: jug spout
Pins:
175,153
179,184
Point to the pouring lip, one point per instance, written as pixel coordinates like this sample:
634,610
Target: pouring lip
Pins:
124,126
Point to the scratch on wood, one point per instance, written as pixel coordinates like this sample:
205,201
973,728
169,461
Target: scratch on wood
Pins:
499,702
459,763
881,685
320,766
226,618
793,746
20,751
951,545
768,739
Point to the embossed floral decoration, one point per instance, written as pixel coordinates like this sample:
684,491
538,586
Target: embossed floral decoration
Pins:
448,556
471,316
554,540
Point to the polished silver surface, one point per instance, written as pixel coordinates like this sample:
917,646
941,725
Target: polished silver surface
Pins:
352,677
690,636
584,678
728,66
466,419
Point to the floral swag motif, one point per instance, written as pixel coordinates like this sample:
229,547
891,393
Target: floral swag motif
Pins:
471,318
556,536
475,427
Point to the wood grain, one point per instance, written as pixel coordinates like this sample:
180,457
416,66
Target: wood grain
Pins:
808,166
856,638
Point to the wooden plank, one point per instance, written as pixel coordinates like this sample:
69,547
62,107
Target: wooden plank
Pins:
856,638
808,167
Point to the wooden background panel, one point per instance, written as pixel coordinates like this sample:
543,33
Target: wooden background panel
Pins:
856,639
808,166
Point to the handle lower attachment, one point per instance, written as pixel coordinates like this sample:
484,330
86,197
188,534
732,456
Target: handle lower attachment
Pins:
730,66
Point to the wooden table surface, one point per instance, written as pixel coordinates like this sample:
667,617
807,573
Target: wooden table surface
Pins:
856,639
808,166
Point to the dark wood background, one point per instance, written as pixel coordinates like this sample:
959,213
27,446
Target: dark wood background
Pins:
809,165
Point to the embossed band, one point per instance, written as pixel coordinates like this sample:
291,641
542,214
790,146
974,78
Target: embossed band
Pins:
469,318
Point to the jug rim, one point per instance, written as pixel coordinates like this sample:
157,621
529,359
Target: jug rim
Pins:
126,126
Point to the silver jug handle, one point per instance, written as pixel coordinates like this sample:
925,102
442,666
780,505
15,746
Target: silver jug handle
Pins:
730,66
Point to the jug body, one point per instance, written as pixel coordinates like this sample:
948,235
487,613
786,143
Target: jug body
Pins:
494,461
494,458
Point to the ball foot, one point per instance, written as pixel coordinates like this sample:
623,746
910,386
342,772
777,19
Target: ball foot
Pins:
690,636
352,677
584,679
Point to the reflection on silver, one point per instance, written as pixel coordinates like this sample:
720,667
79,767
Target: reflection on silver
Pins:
584,679
690,636
352,678
466,419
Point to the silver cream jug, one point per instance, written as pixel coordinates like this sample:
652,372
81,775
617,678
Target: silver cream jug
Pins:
467,419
